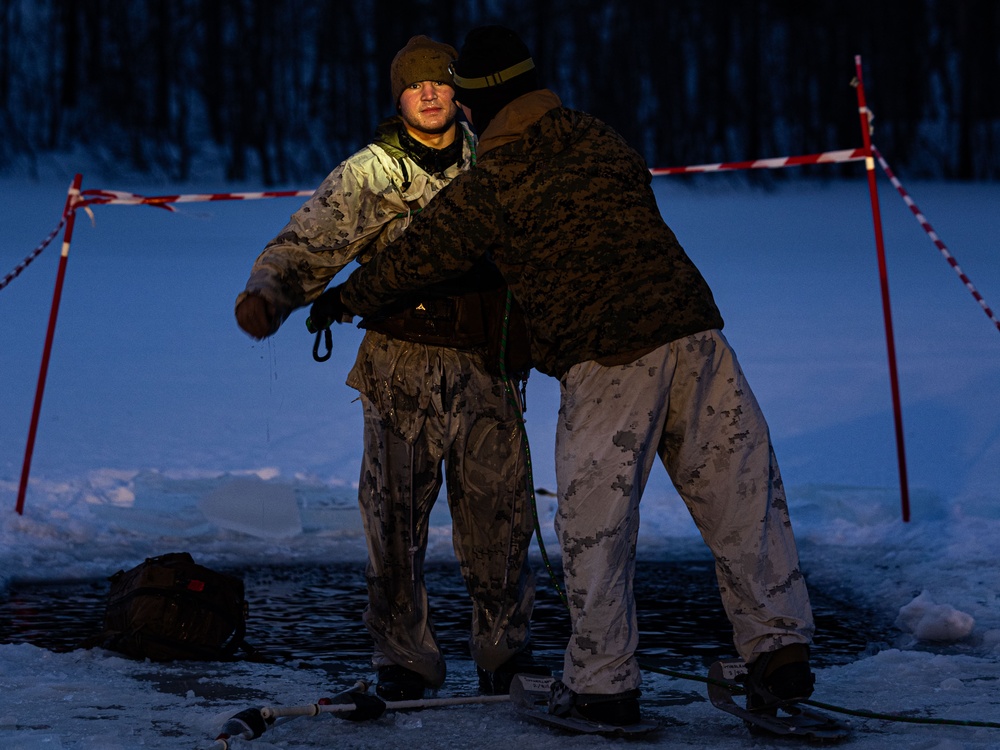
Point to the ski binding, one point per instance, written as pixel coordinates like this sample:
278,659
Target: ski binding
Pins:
529,694
793,720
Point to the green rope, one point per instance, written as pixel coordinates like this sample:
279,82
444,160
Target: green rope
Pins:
471,141
529,477
738,690
516,404
404,214
903,719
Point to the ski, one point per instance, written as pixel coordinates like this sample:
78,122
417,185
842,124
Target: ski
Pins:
354,704
529,695
793,720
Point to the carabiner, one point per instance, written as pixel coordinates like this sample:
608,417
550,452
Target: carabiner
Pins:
329,345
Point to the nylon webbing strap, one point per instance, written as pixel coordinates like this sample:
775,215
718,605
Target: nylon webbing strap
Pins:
493,79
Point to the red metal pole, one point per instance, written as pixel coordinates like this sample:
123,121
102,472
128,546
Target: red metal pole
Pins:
884,280
70,214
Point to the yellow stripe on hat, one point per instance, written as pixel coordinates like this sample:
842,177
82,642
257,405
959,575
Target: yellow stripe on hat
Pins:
493,79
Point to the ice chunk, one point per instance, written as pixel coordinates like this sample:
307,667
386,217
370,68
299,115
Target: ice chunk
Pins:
929,621
255,507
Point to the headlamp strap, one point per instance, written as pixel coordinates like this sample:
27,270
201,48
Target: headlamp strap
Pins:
493,79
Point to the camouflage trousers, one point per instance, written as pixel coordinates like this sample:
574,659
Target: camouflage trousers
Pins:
428,407
689,403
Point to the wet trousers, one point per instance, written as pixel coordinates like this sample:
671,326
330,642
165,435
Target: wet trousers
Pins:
689,403
428,409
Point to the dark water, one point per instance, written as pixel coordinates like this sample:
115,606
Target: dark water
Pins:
314,614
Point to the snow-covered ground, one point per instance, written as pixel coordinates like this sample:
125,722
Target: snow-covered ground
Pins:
158,411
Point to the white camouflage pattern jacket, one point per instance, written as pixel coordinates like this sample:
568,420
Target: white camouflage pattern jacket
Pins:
362,206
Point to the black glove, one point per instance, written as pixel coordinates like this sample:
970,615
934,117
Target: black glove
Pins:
327,310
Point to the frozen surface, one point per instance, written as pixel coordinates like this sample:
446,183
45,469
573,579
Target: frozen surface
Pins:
159,415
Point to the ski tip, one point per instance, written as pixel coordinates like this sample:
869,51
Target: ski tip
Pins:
235,728
248,724
793,721
529,689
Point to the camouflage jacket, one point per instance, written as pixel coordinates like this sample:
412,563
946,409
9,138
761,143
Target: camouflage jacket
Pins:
564,208
362,206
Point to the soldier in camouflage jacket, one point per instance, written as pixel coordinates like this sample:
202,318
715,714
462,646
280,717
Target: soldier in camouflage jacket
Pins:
618,312
429,394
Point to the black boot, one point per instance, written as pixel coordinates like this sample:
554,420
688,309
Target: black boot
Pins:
779,677
498,681
396,683
616,709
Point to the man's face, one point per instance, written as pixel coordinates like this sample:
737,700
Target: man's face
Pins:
428,106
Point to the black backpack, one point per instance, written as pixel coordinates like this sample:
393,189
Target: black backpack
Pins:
171,608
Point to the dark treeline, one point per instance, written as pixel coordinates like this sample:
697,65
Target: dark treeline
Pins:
282,90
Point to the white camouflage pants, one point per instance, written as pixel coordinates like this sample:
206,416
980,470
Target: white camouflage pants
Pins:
689,403
428,408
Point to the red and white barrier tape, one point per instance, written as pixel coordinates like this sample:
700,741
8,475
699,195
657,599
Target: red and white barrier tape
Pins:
827,157
117,197
165,201
31,256
934,237
107,197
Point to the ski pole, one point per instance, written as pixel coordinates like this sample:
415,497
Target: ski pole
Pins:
355,704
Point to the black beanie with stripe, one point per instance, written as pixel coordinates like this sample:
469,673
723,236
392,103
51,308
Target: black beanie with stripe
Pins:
493,69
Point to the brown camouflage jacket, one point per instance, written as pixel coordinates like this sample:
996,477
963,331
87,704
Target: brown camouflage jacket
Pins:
564,208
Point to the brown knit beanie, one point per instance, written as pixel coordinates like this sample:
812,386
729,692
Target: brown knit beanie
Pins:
422,59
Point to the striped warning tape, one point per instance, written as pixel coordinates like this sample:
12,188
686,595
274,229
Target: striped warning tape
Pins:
107,197
934,236
32,255
827,157
118,197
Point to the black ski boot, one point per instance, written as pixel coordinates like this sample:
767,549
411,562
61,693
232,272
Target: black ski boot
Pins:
617,709
396,683
498,681
779,677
